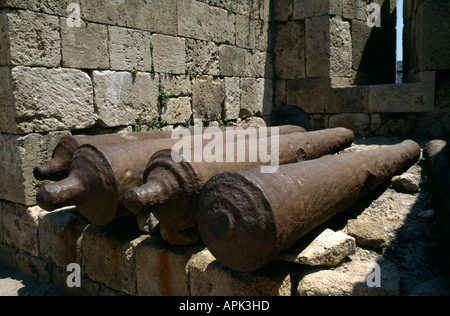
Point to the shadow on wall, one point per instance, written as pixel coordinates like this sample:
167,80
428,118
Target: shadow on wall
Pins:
289,115
374,48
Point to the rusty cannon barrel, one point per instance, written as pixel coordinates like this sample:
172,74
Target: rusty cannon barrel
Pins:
437,155
57,168
99,175
172,183
247,218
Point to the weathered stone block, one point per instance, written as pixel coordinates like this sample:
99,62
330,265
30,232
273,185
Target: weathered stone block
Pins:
19,156
20,226
264,96
347,99
159,16
353,278
84,47
309,8
431,125
348,9
361,12
87,287
176,86
432,43
29,39
340,48
407,181
30,265
317,43
43,100
169,54
410,97
368,231
129,49
202,57
245,32
208,97
253,122
108,254
232,103
222,26
258,64
283,10
358,122
393,127
308,94
58,235
177,110
121,98
360,46
290,50
208,277
329,249
249,97
231,61
53,7
264,40
194,19
161,269
280,92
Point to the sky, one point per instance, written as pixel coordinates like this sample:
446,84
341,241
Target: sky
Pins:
399,29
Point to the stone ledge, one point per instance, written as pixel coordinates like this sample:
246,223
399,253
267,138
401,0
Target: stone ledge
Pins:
401,98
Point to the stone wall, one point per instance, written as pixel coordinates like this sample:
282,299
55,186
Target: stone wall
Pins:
426,45
341,72
159,63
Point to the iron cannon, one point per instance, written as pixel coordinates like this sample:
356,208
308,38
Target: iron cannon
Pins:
247,218
100,174
172,183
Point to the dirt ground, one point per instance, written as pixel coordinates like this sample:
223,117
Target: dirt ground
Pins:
13,283
412,244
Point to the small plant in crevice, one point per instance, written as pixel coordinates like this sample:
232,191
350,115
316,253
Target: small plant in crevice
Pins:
153,124
187,123
211,116
230,10
163,95
134,71
152,70
193,76
152,47
170,72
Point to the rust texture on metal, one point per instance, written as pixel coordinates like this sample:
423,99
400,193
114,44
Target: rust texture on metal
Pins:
171,189
99,175
58,167
437,155
247,218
